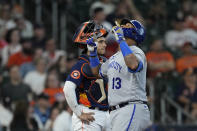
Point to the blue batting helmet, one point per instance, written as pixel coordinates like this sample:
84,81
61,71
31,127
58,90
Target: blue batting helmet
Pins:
137,33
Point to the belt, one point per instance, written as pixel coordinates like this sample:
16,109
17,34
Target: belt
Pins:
111,108
100,109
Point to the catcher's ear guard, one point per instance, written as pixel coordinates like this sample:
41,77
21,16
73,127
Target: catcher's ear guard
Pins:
86,31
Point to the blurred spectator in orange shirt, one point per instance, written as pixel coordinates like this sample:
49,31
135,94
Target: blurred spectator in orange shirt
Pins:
25,55
188,59
13,39
53,89
159,60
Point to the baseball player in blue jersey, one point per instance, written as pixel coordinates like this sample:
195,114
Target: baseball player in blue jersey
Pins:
126,73
85,93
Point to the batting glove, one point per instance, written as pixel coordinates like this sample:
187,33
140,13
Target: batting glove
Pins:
118,33
92,46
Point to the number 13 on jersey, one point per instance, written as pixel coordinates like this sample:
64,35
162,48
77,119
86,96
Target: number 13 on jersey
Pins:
116,83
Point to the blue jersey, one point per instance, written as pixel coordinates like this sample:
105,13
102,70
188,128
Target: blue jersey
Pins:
90,91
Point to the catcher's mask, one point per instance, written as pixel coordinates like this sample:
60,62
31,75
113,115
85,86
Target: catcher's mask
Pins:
87,30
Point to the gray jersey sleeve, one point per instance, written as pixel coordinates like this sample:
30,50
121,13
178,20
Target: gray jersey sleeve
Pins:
139,54
103,69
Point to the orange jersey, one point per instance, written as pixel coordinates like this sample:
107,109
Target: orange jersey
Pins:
157,57
18,59
53,93
186,62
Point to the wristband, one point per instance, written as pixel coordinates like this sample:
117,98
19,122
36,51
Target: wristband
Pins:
125,48
94,61
93,53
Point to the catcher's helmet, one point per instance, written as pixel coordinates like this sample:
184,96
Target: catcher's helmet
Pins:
137,33
86,30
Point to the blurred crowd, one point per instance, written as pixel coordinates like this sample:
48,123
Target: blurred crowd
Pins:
33,69
32,73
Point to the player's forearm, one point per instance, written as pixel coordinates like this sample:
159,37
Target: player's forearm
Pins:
69,92
130,59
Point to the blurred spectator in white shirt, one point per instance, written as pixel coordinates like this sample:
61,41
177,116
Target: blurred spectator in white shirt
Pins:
107,5
24,26
6,116
5,15
36,79
176,37
52,54
18,20
99,17
63,121
13,39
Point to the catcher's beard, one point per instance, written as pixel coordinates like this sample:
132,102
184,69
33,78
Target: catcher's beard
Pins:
101,52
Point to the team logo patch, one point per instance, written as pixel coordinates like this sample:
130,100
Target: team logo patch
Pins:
75,74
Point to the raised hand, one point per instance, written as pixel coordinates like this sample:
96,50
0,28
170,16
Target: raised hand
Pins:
118,33
91,45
